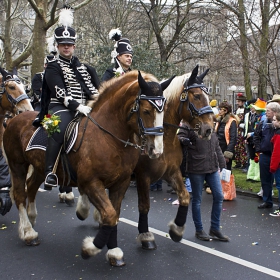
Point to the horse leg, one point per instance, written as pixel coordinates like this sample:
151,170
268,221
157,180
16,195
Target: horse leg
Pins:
33,183
107,234
25,229
66,195
83,206
177,226
146,238
98,196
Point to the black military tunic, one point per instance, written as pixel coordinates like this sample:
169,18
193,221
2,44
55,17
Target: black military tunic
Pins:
66,85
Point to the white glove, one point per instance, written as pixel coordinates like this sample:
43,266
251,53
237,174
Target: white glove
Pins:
84,109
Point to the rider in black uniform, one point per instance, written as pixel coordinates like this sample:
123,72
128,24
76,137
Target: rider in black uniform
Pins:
67,86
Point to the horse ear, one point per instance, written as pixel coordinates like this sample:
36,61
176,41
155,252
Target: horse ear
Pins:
166,83
201,77
193,76
142,83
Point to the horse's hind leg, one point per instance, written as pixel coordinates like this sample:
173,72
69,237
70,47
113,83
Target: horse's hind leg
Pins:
177,226
145,237
83,207
66,195
26,231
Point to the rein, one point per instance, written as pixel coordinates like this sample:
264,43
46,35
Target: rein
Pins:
127,143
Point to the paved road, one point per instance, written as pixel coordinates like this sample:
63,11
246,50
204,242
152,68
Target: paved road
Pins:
61,235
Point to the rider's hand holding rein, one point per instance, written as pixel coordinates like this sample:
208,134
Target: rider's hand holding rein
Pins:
84,109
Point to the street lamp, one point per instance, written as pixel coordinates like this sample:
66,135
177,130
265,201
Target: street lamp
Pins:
233,88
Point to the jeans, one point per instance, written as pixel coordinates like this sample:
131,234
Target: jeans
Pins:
277,180
156,186
214,182
267,178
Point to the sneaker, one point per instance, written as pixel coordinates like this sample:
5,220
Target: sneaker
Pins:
276,213
218,235
260,193
208,190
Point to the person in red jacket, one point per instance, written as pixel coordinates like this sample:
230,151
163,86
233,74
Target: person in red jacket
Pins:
275,157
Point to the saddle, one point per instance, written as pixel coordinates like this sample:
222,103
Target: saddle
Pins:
39,139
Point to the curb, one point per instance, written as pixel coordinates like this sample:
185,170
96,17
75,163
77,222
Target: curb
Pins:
251,194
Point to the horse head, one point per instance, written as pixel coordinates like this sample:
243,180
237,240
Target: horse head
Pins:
189,96
13,97
149,106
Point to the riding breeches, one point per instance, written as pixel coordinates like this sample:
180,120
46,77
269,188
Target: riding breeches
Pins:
66,116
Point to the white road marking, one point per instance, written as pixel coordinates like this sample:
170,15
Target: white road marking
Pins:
212,251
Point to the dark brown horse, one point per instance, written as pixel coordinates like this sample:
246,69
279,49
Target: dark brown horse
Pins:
187,100
106,158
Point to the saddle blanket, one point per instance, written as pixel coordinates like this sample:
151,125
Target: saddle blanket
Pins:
39,139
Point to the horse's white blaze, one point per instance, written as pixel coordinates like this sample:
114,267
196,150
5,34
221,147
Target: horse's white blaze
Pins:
158,139
32,213
25,230
83,206
89,248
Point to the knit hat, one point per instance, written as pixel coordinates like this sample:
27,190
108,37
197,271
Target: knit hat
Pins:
121,46
213,103
226,105
275,98
241,97
65,34
259,105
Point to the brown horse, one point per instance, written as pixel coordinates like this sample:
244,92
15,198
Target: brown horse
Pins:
13,98
187,100
105,155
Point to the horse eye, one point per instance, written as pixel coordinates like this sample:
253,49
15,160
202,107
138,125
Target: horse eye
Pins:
12,87
146,112
196,96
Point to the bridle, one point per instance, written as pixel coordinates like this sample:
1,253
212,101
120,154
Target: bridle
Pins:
195,113
157,102
13,101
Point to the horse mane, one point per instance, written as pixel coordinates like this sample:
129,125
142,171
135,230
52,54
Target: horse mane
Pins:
110,87
175,87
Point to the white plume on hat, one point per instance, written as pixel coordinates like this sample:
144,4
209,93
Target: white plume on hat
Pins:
66,16
115,34
51,45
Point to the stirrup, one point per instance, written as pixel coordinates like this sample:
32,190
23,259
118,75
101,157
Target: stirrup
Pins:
49,184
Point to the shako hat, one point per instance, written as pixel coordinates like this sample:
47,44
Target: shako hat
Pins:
121,46
65,34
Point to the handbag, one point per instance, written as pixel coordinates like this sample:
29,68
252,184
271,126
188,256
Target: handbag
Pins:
225,175
228,188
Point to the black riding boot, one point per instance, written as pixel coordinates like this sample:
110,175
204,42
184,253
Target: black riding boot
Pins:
51,156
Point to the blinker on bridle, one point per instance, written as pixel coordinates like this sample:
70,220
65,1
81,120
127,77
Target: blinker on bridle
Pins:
157,102
194,111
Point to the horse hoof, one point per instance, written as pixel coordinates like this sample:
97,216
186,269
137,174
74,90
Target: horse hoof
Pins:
174,236
116,262
34,242
149,245
80,217
85,255
70,202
